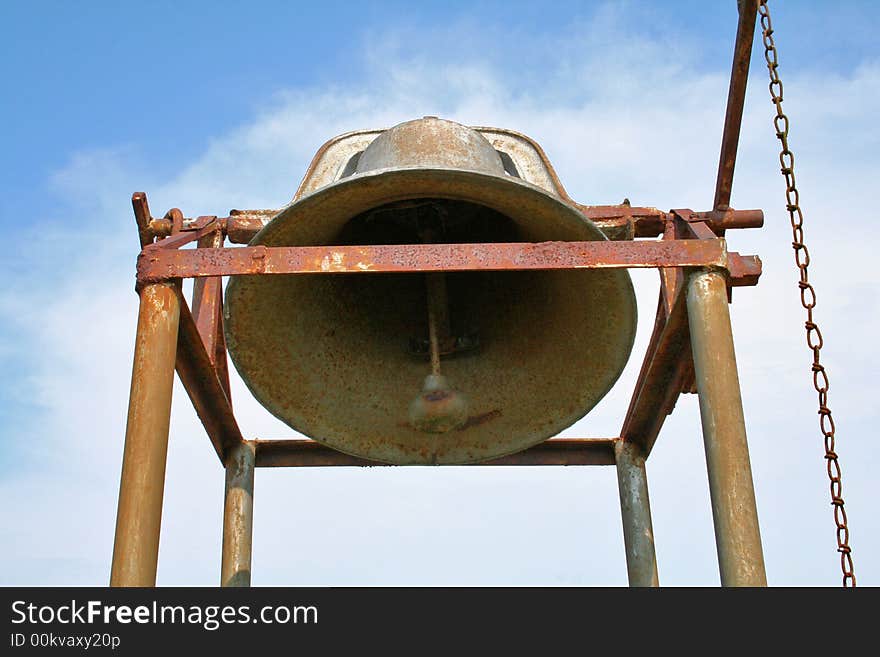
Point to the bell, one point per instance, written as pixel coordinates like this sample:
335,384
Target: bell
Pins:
438,368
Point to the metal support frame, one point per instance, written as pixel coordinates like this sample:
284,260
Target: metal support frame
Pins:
689,244
691,350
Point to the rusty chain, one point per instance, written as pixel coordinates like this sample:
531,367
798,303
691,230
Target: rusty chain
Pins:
808,298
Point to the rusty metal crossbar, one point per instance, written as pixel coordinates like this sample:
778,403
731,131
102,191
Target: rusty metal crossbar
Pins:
158,263
556,451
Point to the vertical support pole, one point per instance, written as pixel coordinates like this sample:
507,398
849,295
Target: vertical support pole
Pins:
737,536
142,485
635,511
238,515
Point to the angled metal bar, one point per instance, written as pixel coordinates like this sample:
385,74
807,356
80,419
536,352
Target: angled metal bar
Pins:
665,370
661,378
736,95
207,311
556,451
183,237
199,377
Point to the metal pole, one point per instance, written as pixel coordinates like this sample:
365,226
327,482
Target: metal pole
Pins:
736,95
635,511
238,515
139,515
737,536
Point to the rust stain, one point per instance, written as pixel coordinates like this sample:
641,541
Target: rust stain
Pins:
476,420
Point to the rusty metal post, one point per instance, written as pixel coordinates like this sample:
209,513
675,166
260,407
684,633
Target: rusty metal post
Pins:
238,515
635,511
737,536
139,514
736,95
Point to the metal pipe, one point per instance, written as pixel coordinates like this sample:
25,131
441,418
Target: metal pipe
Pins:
737,536
238,515
635,511
139,515
241,226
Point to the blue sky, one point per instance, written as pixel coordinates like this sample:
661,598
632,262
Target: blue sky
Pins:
168,76
210,106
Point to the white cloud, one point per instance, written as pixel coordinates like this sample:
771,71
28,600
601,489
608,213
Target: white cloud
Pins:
636,122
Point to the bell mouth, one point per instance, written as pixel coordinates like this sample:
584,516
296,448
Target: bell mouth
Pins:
437,220
340,357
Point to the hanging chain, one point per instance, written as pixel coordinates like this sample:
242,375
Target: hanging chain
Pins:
808,298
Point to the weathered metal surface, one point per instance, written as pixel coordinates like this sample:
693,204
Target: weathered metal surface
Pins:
142,485
338,157
238,516
744,270
527,159
721,220
635,513
242,225
175,216
651,222
672,278
205,390
738,538
742,54
617,222
156,264
431,143
552,343
672,284
556,451
660,380
142,217
207,311
699,230
334,158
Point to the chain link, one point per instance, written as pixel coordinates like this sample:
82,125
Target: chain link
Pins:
808,298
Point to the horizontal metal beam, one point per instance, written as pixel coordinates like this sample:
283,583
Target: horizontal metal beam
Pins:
156,263
241,226
556,451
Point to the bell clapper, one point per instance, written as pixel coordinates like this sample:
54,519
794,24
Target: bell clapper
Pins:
438,315
438,408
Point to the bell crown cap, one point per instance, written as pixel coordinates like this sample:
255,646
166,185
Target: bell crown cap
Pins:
430,142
